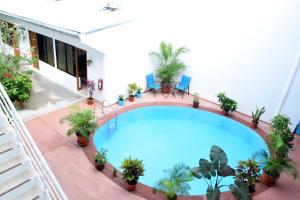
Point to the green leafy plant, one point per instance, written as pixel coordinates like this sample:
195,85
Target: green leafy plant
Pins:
170,65
132,170
82,122
176,181
132,87
248,172
217,167
257,114
18,86
227,103
121,97
240,190
101,156
139,90
280,126
196,98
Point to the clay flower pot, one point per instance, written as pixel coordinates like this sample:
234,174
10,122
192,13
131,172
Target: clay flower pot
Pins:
82,141
195,104
90,101
131,187
131,98
225,112
98,166
165,88
254,125
267,179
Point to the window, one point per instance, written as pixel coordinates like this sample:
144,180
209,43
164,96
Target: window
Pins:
65,55
45,48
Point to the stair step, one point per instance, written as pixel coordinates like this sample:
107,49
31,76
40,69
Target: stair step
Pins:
14,171
3,121
11,154
7,140
20,189
15,182
11,163
33,194
44,196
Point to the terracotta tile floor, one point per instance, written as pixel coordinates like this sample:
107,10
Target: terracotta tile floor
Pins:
80,180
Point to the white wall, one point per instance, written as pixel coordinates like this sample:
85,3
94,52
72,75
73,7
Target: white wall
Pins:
245,48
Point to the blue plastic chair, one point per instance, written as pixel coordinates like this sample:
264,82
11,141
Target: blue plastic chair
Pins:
151,85
184,85
297,129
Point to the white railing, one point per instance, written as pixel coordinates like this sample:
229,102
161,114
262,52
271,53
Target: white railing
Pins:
51,186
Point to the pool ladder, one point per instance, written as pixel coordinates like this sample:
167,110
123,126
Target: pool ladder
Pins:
109,124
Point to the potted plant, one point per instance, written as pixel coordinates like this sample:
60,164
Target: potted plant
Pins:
121,101
280,126
132,87
170,65
100,159
176,181
82,124
248,172
227,104
138,92
91,89
256,116
18,87
196,100
132,170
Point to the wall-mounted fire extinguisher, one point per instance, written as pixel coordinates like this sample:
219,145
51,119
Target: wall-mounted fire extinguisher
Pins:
100,84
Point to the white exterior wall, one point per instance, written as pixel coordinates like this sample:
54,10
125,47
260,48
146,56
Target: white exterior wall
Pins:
246,49
94,70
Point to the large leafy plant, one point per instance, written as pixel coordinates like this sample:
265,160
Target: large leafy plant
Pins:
227,103
82,122
248,172
280,126
216,169
170,64
132,170
176,181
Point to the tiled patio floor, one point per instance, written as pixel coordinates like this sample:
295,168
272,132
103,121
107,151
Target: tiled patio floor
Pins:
80,180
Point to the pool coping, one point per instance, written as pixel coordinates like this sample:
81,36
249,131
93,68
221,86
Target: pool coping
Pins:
145,191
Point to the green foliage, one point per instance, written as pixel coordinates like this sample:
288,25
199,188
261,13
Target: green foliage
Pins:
139,90
280,126
132,87
227,103
82,122
18,86
176,181
7,32
247,172
121,97
101,156
240,190
257,114
132,170
170,64
216,167
196,98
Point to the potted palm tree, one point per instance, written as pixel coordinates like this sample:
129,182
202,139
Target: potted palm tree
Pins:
100,159
82,122
170,65
196,100
227,104
176,181
256,116
132,170
132,87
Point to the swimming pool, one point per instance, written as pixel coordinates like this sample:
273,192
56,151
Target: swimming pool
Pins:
164,135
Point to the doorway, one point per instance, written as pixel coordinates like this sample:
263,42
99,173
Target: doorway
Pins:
81,69
34,47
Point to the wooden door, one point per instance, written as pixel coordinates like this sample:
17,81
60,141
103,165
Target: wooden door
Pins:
34,49
81,67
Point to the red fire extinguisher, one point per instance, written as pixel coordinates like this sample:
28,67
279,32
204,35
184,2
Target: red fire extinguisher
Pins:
100,84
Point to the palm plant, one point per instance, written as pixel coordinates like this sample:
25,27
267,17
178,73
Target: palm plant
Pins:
176,181
170,65
257,114
82,123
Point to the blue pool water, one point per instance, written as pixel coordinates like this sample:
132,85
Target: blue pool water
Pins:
164,135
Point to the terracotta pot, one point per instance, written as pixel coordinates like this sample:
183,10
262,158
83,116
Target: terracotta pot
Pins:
99,166
90,101
171,196
131,98
225,112
165,88
267,179
131,187
254,125
195,104
82,141
19,105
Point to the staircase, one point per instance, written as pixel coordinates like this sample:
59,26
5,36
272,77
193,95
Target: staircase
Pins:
24,174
